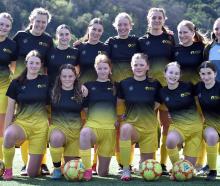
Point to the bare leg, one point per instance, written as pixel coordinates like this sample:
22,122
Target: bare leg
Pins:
103,165
33,168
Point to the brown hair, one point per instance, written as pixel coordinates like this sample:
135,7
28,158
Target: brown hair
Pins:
208,64
56,90
38,11
198,37
140,56
103,58
161,10
91,23
23,76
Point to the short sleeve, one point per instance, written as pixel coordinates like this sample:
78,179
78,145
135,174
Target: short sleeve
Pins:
120,92
158,89
13,90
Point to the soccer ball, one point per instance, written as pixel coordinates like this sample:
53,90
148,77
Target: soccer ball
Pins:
182,170
74,170
2,167
150,170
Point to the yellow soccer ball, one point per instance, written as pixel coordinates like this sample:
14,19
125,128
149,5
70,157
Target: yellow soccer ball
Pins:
74,170
150,170
182,170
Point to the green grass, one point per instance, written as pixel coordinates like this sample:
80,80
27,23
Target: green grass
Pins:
112,179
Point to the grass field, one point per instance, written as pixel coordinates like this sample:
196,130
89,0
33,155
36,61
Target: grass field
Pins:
112,179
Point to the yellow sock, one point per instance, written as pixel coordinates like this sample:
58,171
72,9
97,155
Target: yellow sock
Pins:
95,157
212,152
1,142
173,154
218,149
44,160
163,150
117,155
154,155
86,158
202,155
125,151
8,154
132,154
56,154
24,152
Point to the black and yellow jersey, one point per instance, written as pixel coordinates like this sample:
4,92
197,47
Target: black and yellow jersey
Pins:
66,112
101,103
140,98
181,104
31,98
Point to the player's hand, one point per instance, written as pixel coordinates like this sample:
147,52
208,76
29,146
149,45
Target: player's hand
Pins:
117,124
84,91
77,43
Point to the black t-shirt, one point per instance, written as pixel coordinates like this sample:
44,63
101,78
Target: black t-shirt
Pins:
122,50
56,57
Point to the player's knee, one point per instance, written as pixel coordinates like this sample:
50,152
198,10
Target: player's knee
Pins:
85,134
211,136
125,130
171,141
57,139
9,137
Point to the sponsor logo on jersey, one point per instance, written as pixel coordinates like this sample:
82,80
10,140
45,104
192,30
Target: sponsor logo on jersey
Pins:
195,52
131,45
176,54
185,94
115,46
41,86
149,88
215,97
43,44
23,87
70,57
6,50
167,42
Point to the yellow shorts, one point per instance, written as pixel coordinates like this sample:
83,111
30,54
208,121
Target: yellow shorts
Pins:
105,141
192,138
71,147
3,98
36,135
121,71
147,140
